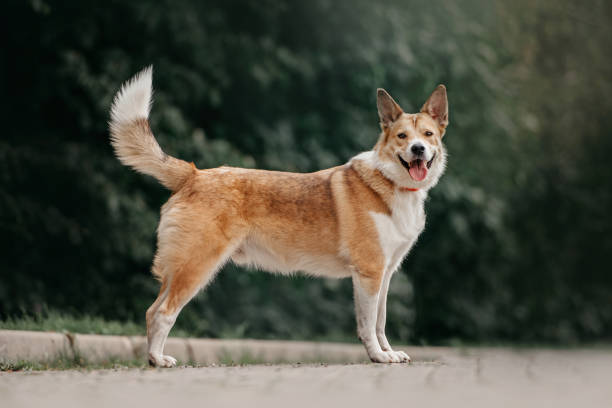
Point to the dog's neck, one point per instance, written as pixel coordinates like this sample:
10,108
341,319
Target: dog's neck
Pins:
374,179
380,184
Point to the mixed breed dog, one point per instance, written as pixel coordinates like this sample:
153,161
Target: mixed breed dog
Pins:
357,220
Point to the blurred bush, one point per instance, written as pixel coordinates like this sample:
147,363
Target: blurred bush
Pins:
518,231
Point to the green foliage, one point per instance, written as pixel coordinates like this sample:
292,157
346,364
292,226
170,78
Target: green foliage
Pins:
518,231
62,322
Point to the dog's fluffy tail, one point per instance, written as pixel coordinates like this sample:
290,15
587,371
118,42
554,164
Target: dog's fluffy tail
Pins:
132,139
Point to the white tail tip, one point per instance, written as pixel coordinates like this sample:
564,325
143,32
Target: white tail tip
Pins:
133,101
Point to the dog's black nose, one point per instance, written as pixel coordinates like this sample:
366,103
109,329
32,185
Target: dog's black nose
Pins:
418,149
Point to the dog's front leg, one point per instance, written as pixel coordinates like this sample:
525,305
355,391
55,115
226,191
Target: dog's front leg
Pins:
367,289
381,318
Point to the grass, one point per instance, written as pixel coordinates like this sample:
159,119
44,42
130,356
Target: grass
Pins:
55,321
65,323
77,362
70,361
82,364
70,364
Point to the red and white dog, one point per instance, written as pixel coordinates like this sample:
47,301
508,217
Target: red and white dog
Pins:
357,220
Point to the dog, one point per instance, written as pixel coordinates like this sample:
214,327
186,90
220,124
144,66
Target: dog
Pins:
357,220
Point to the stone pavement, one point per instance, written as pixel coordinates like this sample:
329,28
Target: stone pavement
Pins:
486,377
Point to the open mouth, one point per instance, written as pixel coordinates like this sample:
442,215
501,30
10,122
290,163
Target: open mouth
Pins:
417,168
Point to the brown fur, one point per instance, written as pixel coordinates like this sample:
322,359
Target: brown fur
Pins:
324,223
292,213
322,213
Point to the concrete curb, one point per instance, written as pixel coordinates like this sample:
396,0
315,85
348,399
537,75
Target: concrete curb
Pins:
45,346
33,346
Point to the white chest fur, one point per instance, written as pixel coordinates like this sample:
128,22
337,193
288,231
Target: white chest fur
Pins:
398,232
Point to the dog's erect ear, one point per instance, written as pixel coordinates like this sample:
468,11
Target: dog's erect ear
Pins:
437,106
388,109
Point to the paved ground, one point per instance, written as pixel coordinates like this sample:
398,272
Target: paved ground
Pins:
457,377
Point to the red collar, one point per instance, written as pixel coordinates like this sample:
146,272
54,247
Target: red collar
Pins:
406,189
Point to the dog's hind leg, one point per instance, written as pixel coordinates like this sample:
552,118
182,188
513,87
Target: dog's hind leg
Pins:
179,285
154,329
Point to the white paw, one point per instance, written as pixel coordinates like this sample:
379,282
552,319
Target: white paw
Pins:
403,357
389,357
162,361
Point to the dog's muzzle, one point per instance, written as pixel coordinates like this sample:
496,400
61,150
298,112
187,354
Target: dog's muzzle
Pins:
418,167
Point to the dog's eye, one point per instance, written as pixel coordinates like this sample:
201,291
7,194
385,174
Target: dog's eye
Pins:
402,135
428,133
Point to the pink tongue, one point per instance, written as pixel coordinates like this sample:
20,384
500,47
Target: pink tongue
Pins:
418,171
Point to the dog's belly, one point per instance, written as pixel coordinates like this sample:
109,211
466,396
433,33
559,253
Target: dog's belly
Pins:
287,261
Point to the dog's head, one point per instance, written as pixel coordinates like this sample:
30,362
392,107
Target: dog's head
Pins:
410,150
